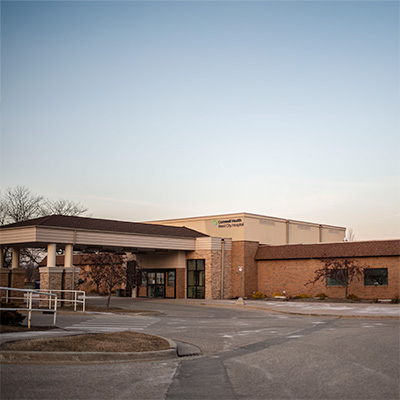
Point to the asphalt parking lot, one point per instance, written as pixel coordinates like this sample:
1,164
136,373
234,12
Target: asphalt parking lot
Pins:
260,351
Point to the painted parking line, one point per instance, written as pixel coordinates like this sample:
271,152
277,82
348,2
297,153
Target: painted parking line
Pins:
111,323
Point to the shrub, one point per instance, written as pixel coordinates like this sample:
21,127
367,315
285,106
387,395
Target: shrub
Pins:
277,294
10,317
395,299
322,296
353,297
303,296
258,295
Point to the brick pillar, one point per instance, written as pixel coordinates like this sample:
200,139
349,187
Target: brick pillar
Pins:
50,278
243,254
69,274
17,280
4,273
180,283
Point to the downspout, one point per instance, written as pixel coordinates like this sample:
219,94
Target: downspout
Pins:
72,262
222,267
287,231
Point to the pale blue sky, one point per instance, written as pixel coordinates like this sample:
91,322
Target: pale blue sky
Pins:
151,110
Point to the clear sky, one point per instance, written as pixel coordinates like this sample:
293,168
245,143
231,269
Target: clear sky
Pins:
167,109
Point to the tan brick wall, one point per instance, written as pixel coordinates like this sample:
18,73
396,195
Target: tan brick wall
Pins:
213,273
17,280
180,283
291,276
227,275
243,253
142,291
67,281
169,290
50,278
4,272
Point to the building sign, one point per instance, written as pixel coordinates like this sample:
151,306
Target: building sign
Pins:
228,223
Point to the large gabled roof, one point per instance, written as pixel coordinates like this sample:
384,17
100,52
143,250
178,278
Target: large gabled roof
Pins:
373,248
107,225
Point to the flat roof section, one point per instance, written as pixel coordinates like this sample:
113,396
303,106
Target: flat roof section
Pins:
243,214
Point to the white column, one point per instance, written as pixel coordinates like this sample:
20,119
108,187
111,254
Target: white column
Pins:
68,258
51,255
15,259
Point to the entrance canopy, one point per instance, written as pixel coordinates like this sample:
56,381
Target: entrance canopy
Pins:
88,233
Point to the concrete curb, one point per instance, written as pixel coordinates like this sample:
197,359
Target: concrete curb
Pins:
273,310
29,357
303,314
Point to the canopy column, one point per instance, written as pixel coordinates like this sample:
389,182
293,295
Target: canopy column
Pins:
17,277
51,254
15,258
68,258
71,274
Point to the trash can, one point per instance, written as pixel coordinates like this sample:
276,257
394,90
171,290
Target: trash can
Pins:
37,284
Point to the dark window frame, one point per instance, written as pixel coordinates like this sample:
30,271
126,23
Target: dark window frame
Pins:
199,269
376,279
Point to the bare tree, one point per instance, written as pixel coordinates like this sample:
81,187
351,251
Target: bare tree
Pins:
108,269
341,271
62,207
350,235
20,204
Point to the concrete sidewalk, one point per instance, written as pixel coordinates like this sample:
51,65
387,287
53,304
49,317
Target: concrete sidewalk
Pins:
320,308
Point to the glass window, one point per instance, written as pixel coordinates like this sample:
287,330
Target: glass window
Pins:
376,277
196,279
160,278
201,265
151,277
191,278
171,278
191,265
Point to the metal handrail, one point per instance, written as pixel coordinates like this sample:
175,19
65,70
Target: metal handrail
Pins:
28,307
75,300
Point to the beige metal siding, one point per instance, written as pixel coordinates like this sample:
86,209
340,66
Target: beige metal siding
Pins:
135,241
303,233
332,234
18,235
54,235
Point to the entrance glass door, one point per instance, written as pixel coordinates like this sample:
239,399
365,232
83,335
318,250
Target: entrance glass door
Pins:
155,284
160,284
196,275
